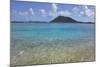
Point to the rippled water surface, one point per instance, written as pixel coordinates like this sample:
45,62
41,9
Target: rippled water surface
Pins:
46,43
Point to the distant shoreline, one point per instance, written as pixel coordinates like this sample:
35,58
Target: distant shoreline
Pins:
59,19
51,23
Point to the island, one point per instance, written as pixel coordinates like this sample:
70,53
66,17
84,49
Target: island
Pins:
63,19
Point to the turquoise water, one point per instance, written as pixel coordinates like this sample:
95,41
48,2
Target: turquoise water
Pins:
46,43
51,30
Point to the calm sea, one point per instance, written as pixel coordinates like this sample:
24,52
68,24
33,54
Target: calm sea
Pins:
51,31
43,43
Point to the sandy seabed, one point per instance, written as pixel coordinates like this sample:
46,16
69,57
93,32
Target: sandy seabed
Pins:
35,52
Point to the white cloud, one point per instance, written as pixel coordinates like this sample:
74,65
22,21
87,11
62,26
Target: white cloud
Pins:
31,11
43,12
87,12
64,13
60,13
54,12
54,7
83,11
26,13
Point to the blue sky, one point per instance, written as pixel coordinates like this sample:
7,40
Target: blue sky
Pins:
35,11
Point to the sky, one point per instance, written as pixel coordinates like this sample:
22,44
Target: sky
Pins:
36,11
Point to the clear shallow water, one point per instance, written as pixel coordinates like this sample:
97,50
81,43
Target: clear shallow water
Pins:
52,42
53,30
